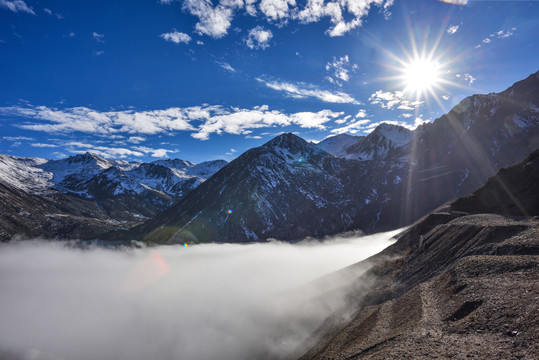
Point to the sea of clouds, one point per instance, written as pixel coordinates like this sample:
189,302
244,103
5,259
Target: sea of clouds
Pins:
212,301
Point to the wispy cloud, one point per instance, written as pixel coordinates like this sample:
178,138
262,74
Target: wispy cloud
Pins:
17,138
497,35
50,12
201,121
466,77
302,90
98,37
116,152
16,6
339,69
176,37
226,66
258,38
42,145
352,128
390,100
452,29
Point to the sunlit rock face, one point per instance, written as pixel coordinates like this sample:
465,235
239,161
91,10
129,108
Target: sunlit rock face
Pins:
290,189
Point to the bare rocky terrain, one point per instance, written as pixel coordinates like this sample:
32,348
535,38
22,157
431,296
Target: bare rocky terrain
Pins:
456,285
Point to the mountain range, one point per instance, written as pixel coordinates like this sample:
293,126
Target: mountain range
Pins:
287,189
84,195
290,189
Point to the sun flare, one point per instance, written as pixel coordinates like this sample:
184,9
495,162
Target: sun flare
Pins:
421,75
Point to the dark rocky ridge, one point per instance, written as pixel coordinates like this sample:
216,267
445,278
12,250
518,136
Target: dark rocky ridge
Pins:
54,216
453,285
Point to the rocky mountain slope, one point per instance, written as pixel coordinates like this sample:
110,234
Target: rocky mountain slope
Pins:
289,189
455,285
87,190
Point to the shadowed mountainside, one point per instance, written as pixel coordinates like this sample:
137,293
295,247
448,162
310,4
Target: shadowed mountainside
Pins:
455,285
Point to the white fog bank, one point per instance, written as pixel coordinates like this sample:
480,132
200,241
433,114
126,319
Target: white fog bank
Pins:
214,301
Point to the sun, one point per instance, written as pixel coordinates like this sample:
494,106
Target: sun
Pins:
421,75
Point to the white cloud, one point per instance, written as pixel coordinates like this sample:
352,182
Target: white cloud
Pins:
17,138
445,97
390,100
253,137
277,10
241,121
16,6
99,53
466,77
250,7
41,145
417,122
361,113
456,2
231,152
344,15
50,12
201,121
157,153
503,34
497,35
226,66
452,29
340,69
352,128
136,139
213,21
304,90
86,120
176,37
315,10
116,152
98,37
258,38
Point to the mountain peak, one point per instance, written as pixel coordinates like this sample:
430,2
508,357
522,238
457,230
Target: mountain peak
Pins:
85,157
284,140
397,134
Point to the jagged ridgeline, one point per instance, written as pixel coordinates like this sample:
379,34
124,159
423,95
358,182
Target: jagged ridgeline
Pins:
290,189
85,195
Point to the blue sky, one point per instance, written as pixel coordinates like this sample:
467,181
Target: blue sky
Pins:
203,80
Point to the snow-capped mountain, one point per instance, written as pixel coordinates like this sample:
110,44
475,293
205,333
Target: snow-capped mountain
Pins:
290,189
338,144
88,185
385,142
285,189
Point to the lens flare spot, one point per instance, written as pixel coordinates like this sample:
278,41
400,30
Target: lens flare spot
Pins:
230,211
146,272
185,245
